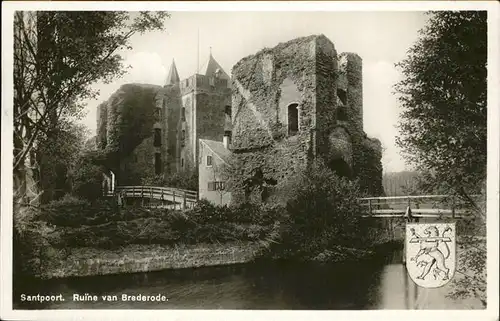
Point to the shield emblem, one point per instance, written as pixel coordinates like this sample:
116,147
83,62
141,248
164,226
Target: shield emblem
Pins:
430,253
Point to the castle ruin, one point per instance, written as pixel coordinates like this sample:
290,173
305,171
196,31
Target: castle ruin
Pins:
282,108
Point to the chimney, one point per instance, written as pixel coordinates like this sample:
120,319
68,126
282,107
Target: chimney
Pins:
226,140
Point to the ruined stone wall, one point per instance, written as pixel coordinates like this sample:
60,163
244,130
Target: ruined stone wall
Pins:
210,115
187,146
306,71
130,120
139,164
171,113
326,94
352,70
368,165
264,155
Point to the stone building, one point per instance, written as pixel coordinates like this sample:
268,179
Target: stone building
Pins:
282,109
155,130
295,103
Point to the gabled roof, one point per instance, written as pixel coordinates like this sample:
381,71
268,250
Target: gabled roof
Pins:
211,67
218,149
173,75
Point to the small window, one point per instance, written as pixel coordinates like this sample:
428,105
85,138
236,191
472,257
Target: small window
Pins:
211,81
209,160
157,113
182,162
220,186
293,119
157,138
342,95
158,165
183,137
216,186
183,114
227,111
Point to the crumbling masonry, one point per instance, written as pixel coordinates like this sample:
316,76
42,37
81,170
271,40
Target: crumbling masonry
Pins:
291,104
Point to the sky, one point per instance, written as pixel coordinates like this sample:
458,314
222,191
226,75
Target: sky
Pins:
380,38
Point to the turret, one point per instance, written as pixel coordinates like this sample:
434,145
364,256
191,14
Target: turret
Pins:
173,75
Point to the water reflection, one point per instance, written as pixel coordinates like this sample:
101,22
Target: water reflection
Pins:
375,284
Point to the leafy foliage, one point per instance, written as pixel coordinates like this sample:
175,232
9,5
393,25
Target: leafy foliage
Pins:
443,95
323,212
443,128
58,56
87,176
105,225
400,183
58,156
470,278
131,115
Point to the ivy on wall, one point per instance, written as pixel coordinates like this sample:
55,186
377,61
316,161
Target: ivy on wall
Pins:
367,156
129,120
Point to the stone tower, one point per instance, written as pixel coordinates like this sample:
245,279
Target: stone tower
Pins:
197,107
294,103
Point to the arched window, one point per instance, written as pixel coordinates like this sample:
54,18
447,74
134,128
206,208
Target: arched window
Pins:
227,111
293,119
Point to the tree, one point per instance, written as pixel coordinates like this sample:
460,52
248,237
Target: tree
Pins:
443,124
57,158
57,57
443,96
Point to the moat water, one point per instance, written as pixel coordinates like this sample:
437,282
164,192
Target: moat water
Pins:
379,283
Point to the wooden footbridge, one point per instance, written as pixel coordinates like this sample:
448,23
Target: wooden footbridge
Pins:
155,196
421,206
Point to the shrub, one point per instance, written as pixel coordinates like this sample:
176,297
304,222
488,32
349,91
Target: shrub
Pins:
184,180
322,212
87,176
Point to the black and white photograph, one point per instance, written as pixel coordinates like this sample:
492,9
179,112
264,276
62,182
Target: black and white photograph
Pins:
244,157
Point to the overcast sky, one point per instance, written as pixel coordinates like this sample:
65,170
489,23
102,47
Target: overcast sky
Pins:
380,38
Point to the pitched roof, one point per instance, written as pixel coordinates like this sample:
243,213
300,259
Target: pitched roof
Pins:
218,149
173,75
211,67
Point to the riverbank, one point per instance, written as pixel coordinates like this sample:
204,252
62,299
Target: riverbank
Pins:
80,262
148,258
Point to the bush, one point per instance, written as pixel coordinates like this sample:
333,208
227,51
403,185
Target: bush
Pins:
322,212
184,180
87,176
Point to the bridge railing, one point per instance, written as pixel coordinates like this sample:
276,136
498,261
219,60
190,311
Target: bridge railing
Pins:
420,206
174,195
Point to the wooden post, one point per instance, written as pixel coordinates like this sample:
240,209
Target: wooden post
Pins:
453,206
174,197
370,207
142,195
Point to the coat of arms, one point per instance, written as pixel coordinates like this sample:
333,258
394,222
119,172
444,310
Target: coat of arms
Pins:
430,253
